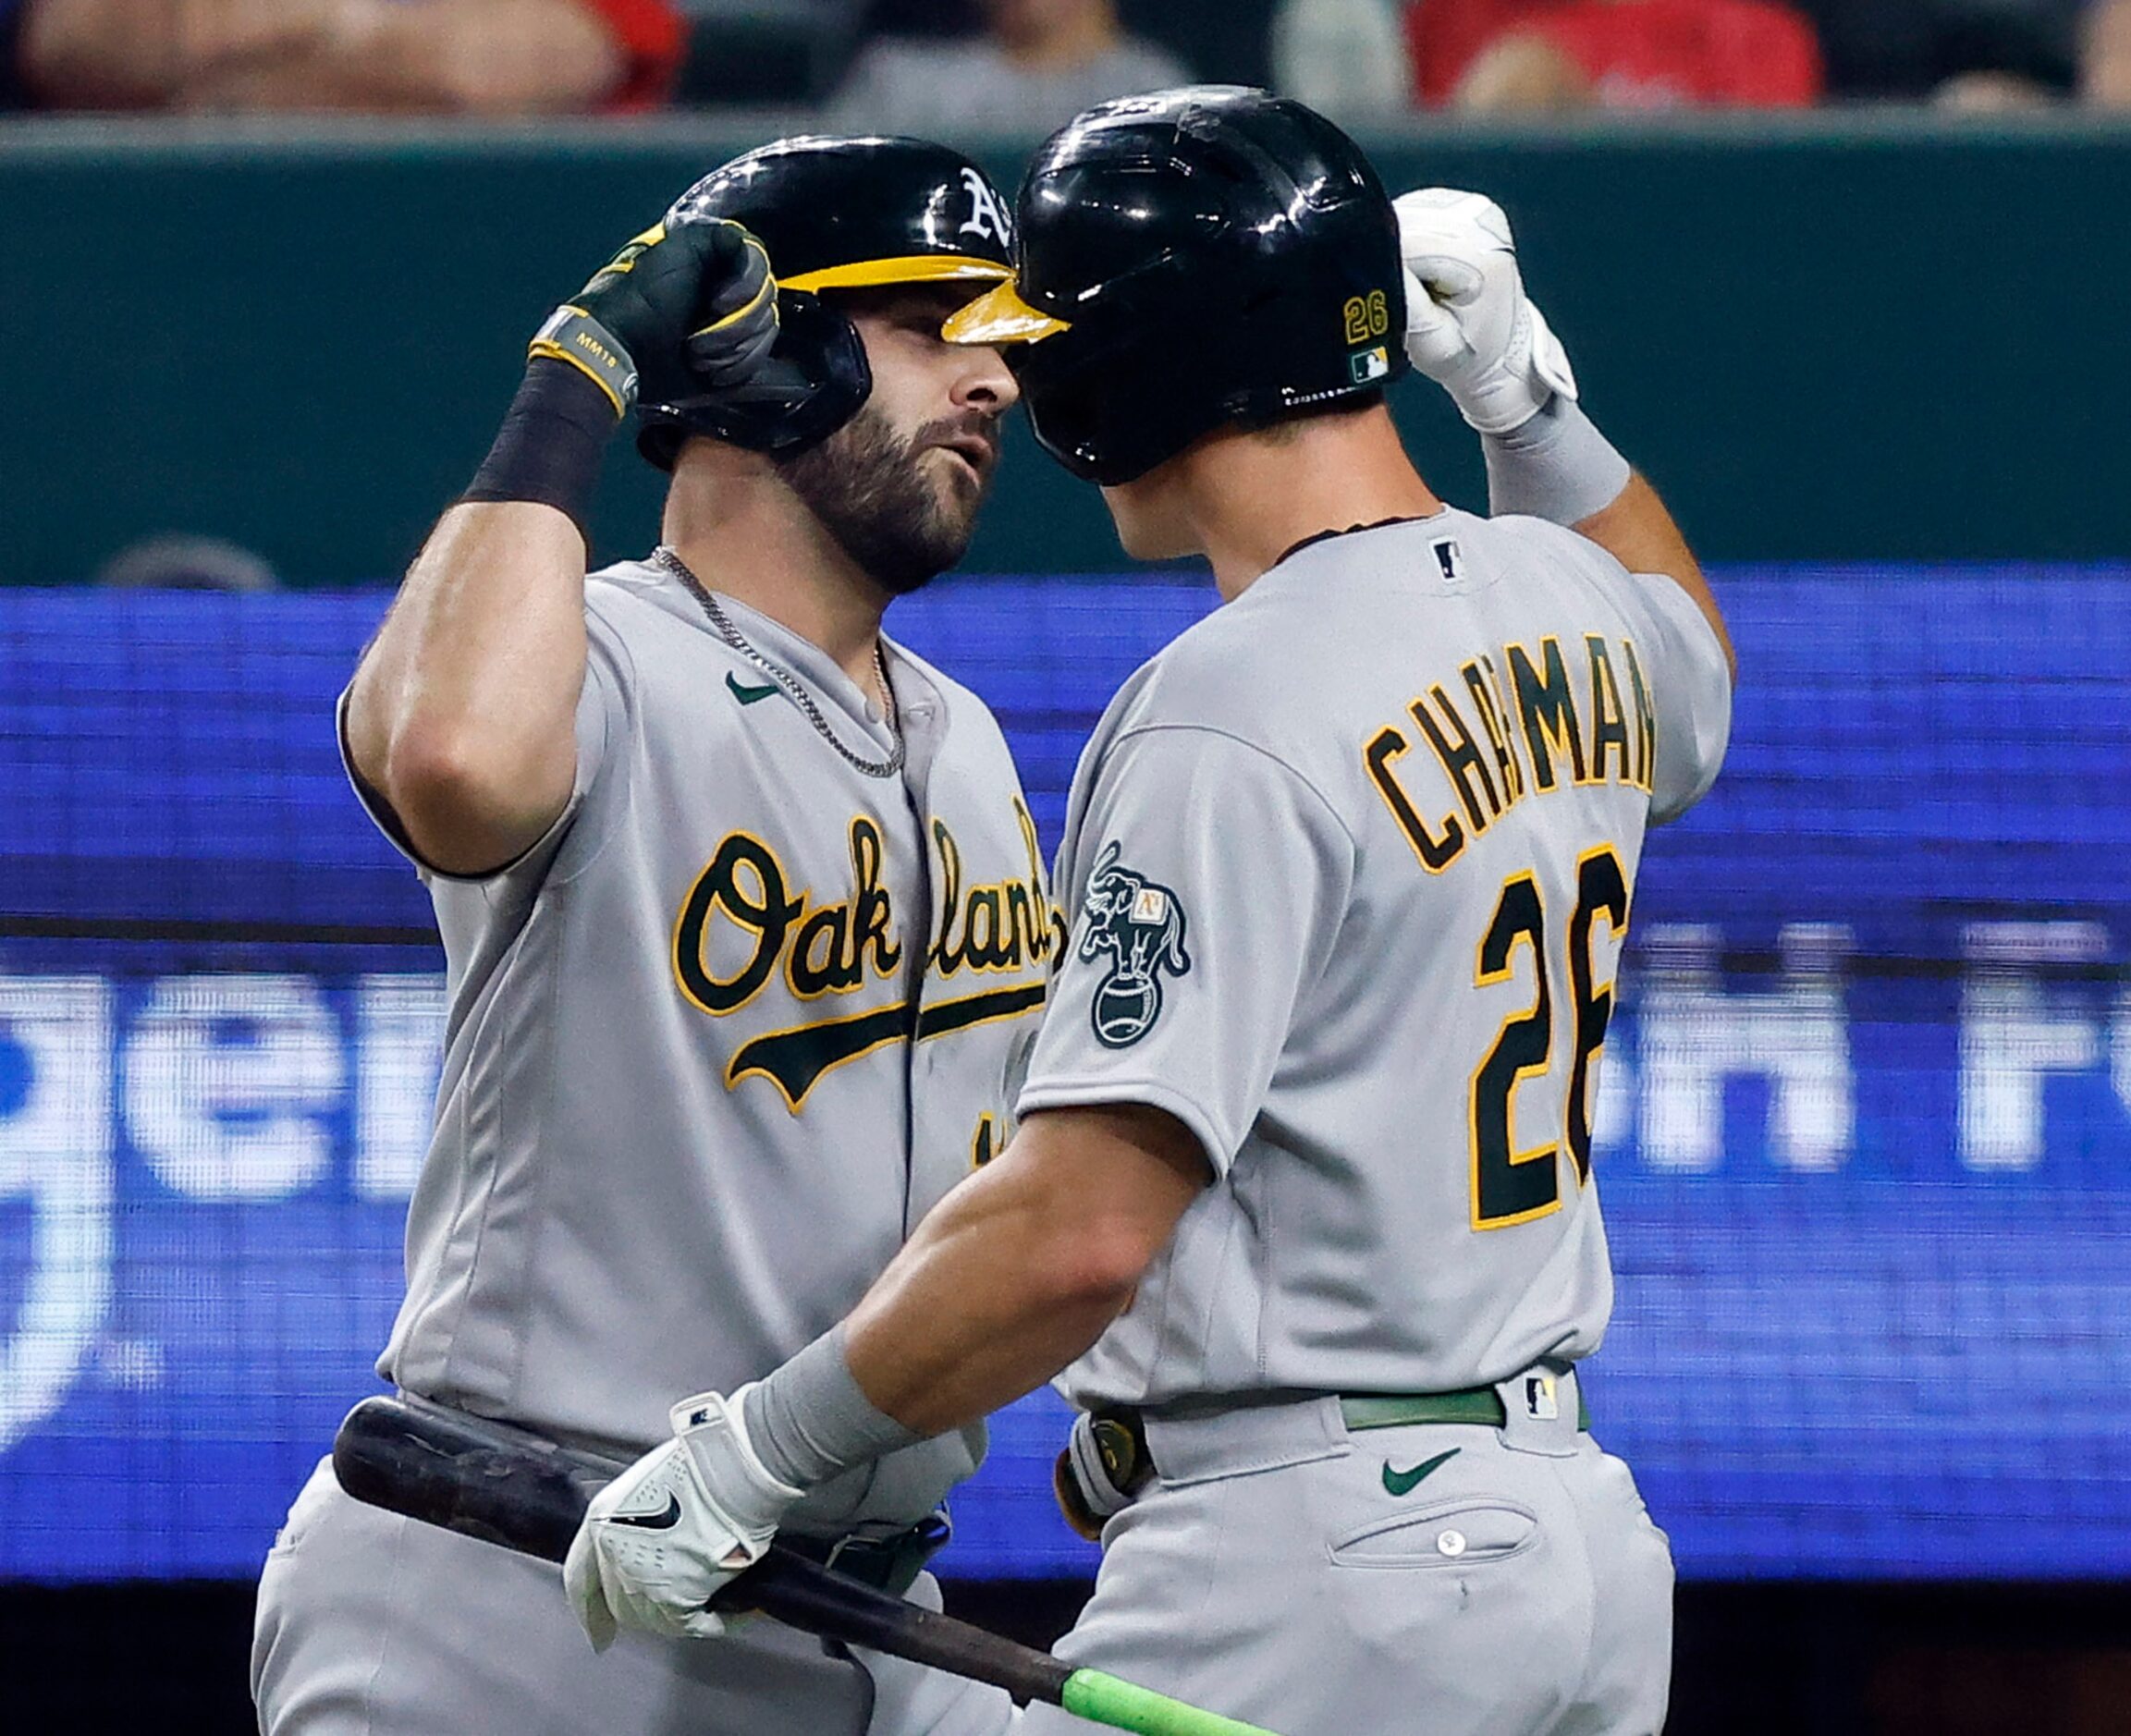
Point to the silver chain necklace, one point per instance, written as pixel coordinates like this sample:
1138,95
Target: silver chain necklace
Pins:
789,682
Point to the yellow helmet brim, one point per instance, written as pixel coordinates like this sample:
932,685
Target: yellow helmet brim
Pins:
870,274
1000,316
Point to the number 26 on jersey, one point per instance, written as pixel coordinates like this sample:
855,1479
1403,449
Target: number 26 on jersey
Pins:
1512,1186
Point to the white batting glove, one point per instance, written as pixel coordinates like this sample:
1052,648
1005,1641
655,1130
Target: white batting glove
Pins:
1469,326
682,1521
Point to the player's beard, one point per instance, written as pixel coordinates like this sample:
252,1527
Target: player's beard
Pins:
865,485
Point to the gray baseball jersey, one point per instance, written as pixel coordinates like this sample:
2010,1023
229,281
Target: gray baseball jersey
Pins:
1349,868
720,1039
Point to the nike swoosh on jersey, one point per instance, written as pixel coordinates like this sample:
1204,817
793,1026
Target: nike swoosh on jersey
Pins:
1403,1482
744,694
651,1522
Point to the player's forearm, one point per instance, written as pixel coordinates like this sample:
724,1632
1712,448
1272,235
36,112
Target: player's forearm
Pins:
463,712
992,1296
1554,465
1637,531
1016,1273
1012,1277
1557,466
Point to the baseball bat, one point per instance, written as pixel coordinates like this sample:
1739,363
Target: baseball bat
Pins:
507,1486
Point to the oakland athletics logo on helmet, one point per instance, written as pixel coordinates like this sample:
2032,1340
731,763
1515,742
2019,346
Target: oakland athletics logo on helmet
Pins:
1141,926
987,218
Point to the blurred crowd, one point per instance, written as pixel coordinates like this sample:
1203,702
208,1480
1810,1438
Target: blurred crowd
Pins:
952,68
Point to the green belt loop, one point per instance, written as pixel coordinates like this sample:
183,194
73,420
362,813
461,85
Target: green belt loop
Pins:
1480,1405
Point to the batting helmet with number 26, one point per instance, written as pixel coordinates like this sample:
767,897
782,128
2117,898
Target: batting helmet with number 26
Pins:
1188,259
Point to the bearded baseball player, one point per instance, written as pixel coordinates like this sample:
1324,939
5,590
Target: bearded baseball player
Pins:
1302,1197
743,915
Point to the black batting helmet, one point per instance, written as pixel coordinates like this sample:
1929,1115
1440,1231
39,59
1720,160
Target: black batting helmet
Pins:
1188,259
833,213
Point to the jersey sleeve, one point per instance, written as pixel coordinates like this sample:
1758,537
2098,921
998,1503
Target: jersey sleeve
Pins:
1693,693
1205,880
601,720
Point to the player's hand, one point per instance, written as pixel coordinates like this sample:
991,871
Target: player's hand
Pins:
1469,326
682,1521
689,306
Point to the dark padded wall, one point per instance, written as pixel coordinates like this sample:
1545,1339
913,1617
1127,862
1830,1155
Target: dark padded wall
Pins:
1828,339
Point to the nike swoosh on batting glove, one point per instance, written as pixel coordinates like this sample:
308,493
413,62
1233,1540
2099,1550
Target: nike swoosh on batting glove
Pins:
675,1528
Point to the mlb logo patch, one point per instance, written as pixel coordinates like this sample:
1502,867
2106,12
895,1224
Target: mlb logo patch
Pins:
1369,364
1152,905
1540,1400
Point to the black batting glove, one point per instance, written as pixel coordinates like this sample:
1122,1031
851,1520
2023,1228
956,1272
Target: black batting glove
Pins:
739,313
687,306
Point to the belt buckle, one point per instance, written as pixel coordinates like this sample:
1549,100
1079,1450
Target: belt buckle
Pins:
859,1557
892,1562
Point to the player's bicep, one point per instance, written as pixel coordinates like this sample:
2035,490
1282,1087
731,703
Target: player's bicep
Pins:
1690,670
599,723
1209,880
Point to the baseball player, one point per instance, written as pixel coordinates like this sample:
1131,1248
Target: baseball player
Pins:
743,915
1302,1197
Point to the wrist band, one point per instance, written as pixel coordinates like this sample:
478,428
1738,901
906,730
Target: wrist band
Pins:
573,335
810,1419
1557,466
552,441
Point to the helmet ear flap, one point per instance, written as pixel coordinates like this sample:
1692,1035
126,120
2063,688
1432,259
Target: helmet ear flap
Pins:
815,380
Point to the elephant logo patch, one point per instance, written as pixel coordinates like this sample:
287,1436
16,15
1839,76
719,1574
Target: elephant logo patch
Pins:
1140,926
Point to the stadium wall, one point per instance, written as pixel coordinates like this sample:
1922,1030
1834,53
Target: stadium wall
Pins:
1834,337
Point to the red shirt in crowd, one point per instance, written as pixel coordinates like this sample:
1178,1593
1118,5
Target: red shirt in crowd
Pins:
1637,53
655,40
